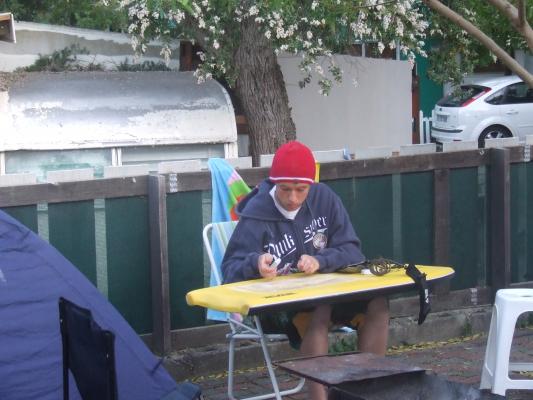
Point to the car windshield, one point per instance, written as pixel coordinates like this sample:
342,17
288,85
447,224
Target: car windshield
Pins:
463,96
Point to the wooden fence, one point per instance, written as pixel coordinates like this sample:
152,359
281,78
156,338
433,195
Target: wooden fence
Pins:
467,209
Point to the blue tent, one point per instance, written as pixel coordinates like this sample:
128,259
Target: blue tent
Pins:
33,275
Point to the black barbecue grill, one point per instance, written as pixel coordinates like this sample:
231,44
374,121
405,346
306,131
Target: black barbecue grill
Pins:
365,376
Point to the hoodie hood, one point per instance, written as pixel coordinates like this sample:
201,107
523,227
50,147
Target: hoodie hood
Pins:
258,204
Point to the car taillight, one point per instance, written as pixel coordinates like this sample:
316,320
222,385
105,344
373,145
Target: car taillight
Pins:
474,98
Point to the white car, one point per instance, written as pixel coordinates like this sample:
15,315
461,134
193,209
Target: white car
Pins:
489,108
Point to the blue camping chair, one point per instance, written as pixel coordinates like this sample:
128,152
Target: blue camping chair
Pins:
89,353
220,235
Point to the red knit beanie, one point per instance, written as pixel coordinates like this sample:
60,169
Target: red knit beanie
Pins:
293,162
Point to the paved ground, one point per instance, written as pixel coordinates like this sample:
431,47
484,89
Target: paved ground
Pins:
459,360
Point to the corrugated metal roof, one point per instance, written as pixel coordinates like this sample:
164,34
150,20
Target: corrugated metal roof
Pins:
106,109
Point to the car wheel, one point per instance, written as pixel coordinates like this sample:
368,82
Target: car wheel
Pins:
493,132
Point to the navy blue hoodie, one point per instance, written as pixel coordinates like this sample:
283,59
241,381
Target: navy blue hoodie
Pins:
321,229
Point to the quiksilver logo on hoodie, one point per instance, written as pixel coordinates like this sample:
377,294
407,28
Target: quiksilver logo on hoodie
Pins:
320,240
284,246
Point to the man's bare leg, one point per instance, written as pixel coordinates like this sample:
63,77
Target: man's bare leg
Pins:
374,332
315,343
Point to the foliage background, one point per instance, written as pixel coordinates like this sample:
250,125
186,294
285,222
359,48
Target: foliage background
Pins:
91,14
456,53
452,55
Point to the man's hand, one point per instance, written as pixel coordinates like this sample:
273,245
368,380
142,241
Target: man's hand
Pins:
265,269
308,264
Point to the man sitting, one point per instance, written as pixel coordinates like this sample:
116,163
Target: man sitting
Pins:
290,224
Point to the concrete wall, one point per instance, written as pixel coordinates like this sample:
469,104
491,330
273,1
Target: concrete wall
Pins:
106,48
376,111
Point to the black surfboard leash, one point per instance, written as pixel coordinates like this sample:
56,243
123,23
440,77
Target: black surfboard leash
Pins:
381,266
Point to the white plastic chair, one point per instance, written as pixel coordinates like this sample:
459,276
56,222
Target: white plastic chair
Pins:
508,306
220,235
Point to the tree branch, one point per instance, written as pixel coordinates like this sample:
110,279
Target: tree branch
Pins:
486,41
507,9
522,12
517,17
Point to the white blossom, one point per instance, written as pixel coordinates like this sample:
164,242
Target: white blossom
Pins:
386,21
145,23
399,28
166,52
290,29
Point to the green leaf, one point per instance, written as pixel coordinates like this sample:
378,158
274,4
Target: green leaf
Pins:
186,4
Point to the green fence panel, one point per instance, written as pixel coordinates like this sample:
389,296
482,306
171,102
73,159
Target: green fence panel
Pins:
26,215
345,189
374,215
417,218
519,222
467,203
128,260
529,222
185,256
368,202
71,231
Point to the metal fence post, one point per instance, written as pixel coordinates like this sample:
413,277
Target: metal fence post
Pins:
500,216
159,264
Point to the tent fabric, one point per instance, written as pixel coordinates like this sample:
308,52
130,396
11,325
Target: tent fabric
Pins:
33,275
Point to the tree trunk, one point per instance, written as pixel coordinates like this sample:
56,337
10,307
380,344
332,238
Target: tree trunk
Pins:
261,91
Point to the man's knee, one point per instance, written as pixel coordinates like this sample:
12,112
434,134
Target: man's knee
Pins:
378,308
322,314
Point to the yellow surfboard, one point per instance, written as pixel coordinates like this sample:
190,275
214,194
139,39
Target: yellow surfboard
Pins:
299,290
